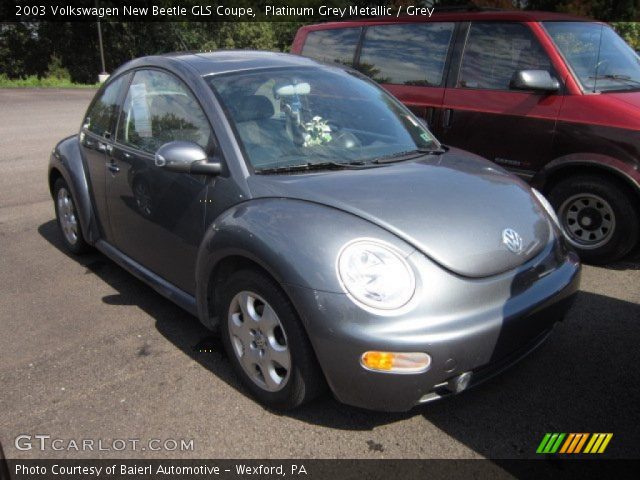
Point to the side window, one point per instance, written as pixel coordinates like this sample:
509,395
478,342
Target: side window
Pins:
495,51
336,45
102,114
159,109
409,54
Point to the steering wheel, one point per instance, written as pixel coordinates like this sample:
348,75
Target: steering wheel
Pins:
346,139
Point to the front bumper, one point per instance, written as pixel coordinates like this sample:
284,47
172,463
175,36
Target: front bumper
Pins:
465,325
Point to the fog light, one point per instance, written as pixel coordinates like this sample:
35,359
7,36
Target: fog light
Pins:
411,362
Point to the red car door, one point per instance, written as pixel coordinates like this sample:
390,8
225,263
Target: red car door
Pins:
483,114
410,61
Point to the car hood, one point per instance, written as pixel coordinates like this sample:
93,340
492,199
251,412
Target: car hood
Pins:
629,98
453,207
614,109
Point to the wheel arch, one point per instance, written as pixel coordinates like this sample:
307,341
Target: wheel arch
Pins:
231,262
596,164
606,171
66,163
295,242
210,301
54,175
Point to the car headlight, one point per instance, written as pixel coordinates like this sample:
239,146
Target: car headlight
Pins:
374,275
547,206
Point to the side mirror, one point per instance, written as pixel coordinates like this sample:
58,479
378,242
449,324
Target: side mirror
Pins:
536,80
185,157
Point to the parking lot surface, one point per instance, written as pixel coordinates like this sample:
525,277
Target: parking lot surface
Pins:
89,352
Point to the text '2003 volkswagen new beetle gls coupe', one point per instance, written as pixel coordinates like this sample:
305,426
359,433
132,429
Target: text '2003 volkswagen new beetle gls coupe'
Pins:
316,223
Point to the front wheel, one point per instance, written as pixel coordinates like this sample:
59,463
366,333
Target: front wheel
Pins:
598,217
67,217
266,343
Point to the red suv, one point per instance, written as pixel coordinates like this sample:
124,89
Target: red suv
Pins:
553,98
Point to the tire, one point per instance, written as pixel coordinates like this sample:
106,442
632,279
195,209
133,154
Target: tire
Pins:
286,374
67,217
598,215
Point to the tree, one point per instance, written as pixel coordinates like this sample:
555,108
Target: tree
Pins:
630,31
19,50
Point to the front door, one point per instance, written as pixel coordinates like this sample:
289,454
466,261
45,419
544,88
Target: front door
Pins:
157,216
96,139
483,115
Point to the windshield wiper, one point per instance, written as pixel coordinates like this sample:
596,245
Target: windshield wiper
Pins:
620,78
313,166
408,155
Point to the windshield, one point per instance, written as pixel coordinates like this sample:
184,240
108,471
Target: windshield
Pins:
290,117
600,59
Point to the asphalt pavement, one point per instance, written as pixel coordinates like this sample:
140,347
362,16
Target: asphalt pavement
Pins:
87,352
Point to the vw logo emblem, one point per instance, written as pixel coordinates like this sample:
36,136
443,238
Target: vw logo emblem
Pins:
512,240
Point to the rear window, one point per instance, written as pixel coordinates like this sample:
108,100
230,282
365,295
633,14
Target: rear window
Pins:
409,54
336,45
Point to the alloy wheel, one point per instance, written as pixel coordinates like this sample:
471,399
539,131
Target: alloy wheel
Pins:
259,341
67,216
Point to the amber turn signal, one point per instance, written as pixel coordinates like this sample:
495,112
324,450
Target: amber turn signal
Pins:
396,362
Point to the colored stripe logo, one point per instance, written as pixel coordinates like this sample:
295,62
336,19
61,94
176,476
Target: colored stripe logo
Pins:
574,443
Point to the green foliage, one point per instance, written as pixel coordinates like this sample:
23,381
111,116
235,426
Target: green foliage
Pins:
605,10
69,50
19,50
39,52
73,53
56,70
630,31
33,81
242,35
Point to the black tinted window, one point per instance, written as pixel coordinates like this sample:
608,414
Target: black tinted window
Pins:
337,45
410,54
495,51
160,109
101,116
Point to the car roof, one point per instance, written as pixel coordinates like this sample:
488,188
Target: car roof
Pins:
458,16
224,61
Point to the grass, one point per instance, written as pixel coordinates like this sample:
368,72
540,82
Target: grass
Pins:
33,81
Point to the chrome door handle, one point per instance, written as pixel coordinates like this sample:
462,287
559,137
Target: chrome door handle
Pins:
113,168
105,147
447,118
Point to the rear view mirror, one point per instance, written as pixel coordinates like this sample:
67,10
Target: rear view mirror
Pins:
536,80
185,157
290,90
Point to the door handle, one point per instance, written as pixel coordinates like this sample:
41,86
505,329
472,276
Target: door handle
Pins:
447,118
429,116
105,147
113,168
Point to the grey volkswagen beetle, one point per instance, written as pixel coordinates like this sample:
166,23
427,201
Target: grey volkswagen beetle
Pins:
316,223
